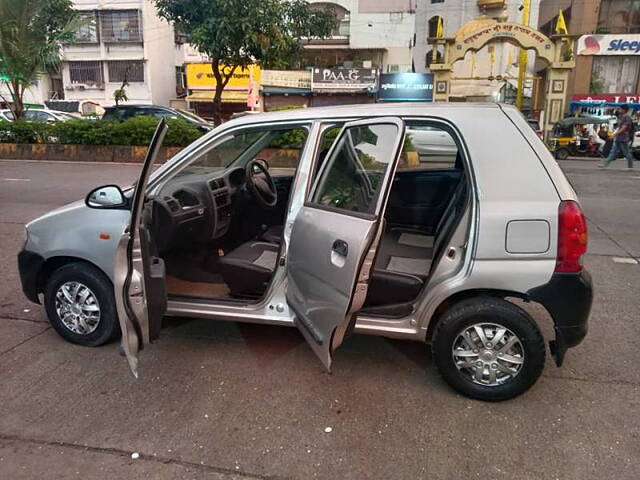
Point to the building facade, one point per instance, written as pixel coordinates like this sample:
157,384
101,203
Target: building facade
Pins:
607,51
370,33
495,59
118,41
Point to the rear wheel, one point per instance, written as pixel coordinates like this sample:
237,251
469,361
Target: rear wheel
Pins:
80,305
489,349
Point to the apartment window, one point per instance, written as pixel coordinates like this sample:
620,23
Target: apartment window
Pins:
437,1
344,27
343,17
433,25
615,74
87,29
120,26
129,70
86,73
619,16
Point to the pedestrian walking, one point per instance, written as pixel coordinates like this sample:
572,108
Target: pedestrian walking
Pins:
621,140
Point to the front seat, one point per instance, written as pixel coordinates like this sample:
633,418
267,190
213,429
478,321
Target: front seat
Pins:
247,270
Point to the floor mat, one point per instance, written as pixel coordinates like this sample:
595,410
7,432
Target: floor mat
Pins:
177,286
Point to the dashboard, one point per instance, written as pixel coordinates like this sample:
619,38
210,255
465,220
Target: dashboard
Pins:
195,207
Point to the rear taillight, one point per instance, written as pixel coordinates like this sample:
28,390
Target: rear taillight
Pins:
572,237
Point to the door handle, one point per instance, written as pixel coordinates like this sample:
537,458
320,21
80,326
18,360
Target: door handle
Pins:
340,247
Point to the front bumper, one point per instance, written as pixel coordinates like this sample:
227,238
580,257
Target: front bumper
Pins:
29,266
568,298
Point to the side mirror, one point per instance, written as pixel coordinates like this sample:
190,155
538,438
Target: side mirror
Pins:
107,196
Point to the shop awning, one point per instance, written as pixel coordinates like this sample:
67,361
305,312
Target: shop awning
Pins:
228,96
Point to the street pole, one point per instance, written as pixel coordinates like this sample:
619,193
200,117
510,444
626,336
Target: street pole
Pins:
522,71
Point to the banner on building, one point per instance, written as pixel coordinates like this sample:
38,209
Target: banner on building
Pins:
606,98
286,78
344,79
406,87
609,45
200,76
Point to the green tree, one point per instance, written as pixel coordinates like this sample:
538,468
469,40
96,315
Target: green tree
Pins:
237,33
31,35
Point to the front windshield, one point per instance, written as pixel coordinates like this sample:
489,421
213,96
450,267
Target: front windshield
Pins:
282,148
191,116
222,155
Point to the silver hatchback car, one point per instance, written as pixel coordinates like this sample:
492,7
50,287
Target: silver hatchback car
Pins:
334,220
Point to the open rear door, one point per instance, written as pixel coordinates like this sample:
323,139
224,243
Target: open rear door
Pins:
336,233
139,277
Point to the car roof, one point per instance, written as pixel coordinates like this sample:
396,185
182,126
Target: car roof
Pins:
403,109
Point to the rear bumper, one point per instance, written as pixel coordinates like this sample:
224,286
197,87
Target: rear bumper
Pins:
568,298
29,265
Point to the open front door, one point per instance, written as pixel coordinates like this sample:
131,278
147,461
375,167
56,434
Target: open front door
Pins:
336,233
139,283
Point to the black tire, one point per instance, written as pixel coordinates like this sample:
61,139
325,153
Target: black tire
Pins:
562,154
494,311
108,327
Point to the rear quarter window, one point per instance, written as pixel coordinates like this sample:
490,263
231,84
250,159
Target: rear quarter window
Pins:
427,147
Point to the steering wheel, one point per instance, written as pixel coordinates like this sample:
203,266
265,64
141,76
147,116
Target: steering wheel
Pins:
260,183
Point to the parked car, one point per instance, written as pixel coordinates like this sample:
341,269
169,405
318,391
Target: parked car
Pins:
309,218
429,141
123,112
38,114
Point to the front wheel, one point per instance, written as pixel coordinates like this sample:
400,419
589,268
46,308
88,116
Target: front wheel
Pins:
489,349
562,154
80,304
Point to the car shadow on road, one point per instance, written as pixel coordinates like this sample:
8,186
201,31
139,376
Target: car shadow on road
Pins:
269,342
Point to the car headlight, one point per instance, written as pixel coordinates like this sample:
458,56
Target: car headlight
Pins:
26,237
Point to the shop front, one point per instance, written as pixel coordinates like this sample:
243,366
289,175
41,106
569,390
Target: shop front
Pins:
285,89
343,86
615,67
201,85
602,105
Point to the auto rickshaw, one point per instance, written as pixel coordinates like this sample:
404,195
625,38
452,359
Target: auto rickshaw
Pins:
566,139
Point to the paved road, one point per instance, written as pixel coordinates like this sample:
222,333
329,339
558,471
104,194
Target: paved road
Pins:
218,400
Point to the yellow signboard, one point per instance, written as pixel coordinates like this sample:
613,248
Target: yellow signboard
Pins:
200,76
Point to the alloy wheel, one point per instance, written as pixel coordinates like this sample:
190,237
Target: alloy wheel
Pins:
488,354
77,308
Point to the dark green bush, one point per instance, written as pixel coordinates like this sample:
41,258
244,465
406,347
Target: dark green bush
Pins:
135,131
24,132
290,139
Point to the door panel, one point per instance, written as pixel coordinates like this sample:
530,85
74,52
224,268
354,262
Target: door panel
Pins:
138,274
419,198
335,235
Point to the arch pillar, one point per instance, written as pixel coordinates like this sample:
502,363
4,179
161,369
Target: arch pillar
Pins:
557,82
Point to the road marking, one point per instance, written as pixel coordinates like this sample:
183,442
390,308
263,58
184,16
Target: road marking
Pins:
629,260
16,179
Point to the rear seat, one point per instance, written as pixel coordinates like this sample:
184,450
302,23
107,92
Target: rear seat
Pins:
405,256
